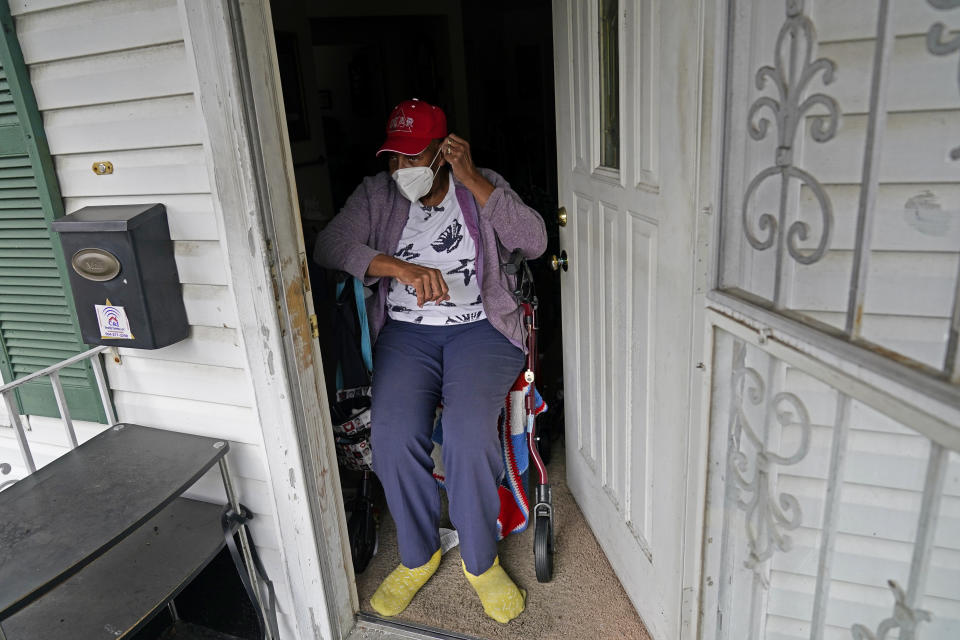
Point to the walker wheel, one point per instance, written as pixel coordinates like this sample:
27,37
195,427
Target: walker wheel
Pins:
543,548
363,535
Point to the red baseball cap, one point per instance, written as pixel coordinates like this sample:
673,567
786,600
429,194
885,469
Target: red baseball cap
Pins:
411,127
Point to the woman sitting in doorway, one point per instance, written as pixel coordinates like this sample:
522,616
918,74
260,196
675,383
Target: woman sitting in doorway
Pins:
445,328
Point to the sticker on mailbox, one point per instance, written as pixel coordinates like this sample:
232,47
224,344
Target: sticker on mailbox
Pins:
113,322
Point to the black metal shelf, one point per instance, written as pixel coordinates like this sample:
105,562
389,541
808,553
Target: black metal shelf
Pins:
75,553
119,592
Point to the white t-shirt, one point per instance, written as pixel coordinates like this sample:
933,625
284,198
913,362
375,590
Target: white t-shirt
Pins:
437,237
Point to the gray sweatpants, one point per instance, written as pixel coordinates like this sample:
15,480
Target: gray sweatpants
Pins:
470,368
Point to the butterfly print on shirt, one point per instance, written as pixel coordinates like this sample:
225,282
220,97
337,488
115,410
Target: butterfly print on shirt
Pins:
450,239
429,211
465,269
464,317
479,300
406,253
399,308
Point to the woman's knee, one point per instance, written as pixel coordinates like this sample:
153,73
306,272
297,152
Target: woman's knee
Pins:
399,436
471,443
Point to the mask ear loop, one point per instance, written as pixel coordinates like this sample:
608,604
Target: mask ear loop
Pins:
435,159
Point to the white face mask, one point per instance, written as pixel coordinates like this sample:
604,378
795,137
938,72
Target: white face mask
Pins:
415,182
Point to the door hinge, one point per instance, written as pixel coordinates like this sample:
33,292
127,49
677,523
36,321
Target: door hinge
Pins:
314,326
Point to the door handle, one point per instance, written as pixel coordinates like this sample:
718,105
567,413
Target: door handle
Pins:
562,216
559,263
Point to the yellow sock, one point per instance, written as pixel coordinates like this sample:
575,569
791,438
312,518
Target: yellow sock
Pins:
500,597
397,590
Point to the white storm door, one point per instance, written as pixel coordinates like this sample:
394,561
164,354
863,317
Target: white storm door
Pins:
833,496
626,142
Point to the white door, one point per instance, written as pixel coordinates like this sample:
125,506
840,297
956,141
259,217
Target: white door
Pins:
626,77
833,506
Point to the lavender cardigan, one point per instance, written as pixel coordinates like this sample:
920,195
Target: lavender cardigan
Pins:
373,219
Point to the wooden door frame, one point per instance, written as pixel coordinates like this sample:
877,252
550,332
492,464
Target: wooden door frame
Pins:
230,43
712,20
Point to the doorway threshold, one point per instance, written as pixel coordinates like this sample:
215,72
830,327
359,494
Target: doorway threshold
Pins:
370,627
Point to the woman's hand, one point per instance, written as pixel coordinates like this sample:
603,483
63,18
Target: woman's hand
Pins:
428,282
456,151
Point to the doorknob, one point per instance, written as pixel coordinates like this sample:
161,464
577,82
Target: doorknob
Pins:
559,263
562,216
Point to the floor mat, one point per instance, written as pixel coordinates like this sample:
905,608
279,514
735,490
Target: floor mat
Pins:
584,599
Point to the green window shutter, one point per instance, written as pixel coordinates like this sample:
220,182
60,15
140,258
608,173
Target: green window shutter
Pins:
38,324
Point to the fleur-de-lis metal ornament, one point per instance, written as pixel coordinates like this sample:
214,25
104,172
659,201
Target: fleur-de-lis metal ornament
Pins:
768,514
793,70
938,46
904,618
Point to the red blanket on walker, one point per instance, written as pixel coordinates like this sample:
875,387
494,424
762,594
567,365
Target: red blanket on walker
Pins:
512,426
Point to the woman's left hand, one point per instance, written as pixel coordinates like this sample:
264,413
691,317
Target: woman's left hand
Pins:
456,151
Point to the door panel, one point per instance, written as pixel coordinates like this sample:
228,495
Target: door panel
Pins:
643,254
627,297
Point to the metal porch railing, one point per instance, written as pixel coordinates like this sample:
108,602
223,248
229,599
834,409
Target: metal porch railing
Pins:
53,372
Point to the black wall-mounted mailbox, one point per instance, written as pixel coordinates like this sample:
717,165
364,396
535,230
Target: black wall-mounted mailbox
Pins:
123,275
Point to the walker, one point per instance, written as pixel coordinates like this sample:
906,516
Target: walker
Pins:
543,538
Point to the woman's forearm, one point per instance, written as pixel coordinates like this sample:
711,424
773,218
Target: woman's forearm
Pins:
383,265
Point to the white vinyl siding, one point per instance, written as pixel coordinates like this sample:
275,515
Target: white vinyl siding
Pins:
916,236
916,242
113,82
876,530
882,488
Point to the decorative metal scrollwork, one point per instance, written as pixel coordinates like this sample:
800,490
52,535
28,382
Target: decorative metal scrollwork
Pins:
791,76
940,47
768,515
905,618
5,469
